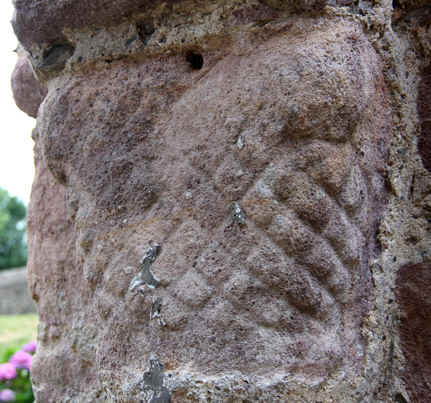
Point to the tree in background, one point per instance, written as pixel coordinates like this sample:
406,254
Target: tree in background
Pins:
13,248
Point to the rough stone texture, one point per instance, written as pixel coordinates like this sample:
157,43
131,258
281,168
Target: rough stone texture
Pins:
424,110
27,90
414,295
51,253
14,296
225,193
42,22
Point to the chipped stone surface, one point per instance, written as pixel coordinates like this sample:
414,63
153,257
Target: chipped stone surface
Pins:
234,186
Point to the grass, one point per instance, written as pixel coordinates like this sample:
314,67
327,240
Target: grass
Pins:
16,330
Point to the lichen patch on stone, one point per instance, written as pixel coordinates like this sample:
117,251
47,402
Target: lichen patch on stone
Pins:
238,213
153,390
156,308
146,276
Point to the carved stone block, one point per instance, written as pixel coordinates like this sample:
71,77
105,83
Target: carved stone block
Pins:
219,195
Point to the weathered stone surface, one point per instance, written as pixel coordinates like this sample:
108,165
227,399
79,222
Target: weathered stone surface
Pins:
213,180
410,4
414,298
14,296
27,90
43,21
54,284
147,161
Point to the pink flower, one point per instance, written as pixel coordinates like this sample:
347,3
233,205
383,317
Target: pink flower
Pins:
7,395
21,359
7,371
30,347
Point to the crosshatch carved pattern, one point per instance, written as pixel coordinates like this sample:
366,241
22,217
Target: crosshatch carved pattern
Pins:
299,148
299,262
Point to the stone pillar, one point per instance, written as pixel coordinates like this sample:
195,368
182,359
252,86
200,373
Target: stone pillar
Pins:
224,196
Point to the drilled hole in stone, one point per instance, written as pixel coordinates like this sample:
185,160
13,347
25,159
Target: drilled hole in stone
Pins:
399,398
195,60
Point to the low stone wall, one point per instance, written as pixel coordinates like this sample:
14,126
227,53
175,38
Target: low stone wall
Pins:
14,295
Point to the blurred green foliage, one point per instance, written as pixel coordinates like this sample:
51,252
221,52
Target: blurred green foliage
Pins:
13,248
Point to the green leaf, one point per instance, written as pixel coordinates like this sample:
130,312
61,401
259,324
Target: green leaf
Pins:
13,248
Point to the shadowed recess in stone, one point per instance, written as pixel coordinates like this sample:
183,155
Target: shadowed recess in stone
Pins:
399,398
145,29
424,111
195,60
56,56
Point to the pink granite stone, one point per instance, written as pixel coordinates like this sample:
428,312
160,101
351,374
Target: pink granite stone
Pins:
224,216
27,90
